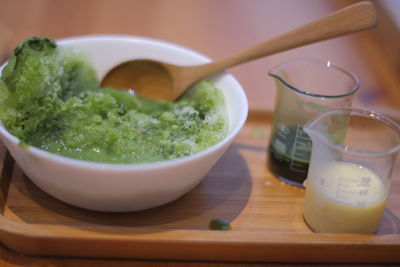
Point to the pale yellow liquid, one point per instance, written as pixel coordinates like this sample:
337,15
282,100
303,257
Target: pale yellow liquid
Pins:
344,198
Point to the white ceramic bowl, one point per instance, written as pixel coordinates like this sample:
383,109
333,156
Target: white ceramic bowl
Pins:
128,187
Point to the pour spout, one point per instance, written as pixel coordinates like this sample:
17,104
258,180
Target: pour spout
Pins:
342,129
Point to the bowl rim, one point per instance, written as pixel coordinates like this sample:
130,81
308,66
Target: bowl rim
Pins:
134,166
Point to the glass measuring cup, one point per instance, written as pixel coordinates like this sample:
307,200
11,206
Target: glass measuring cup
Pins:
304,88
353,153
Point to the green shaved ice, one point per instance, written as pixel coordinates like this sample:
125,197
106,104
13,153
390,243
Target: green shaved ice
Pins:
50,98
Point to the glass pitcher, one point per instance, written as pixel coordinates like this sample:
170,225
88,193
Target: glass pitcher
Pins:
304,88
353,154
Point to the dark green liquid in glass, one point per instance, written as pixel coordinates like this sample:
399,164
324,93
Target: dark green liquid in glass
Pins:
289,154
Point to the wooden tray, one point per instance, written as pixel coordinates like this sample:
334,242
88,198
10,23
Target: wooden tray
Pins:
265,213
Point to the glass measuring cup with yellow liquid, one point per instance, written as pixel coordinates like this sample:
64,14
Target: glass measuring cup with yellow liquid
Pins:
351,164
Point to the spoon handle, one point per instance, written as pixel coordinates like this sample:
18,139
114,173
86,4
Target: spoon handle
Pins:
356,17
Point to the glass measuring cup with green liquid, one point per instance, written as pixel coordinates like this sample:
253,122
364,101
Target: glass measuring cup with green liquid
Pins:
305,88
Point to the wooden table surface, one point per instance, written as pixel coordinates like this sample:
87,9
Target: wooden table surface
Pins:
216,28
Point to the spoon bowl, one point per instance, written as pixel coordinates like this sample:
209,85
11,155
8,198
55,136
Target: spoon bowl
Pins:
145,77
160,80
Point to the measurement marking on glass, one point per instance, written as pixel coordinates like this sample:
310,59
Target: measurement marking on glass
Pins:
344,192
301,141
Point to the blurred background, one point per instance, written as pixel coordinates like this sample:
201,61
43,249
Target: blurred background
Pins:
218,28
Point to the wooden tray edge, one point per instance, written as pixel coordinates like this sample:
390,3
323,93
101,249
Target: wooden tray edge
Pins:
46,240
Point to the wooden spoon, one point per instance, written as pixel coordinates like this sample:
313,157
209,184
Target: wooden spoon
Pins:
160,80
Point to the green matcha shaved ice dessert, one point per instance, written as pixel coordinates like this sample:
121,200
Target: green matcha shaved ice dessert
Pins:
50,98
